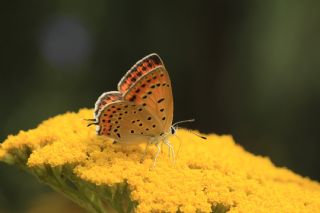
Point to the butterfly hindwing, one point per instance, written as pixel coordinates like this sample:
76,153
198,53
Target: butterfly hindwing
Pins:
127,122
106,98
142,67
153,91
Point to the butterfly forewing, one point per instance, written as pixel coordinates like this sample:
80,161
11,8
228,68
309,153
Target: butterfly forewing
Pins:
142,67
127,122
153,91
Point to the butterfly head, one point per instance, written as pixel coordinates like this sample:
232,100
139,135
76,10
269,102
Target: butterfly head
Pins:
173,130
174,127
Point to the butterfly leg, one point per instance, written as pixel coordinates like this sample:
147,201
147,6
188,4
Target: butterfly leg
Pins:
171,150
156,156
145,152
161,148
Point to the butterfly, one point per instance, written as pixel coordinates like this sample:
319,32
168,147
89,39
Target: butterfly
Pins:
141,109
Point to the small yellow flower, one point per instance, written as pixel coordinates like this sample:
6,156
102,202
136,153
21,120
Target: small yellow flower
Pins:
213,175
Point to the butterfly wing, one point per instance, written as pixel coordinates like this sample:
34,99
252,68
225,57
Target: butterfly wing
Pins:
142,108
142,67
127,122
153,92
106,98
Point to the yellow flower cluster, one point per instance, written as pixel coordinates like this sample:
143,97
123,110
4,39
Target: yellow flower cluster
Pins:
208,174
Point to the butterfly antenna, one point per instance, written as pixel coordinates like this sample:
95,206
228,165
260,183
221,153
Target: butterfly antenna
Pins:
93,123
184,121
200,136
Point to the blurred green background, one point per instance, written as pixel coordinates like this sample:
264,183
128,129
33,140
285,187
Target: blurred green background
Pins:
246,68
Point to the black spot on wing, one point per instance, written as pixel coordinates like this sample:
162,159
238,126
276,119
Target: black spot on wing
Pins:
160,100
133,98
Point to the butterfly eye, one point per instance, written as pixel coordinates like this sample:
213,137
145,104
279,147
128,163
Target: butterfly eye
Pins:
173,131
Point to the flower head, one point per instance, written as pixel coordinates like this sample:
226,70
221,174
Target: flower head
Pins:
209,175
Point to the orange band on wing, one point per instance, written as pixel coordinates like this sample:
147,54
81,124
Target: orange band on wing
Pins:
106,98
138,70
